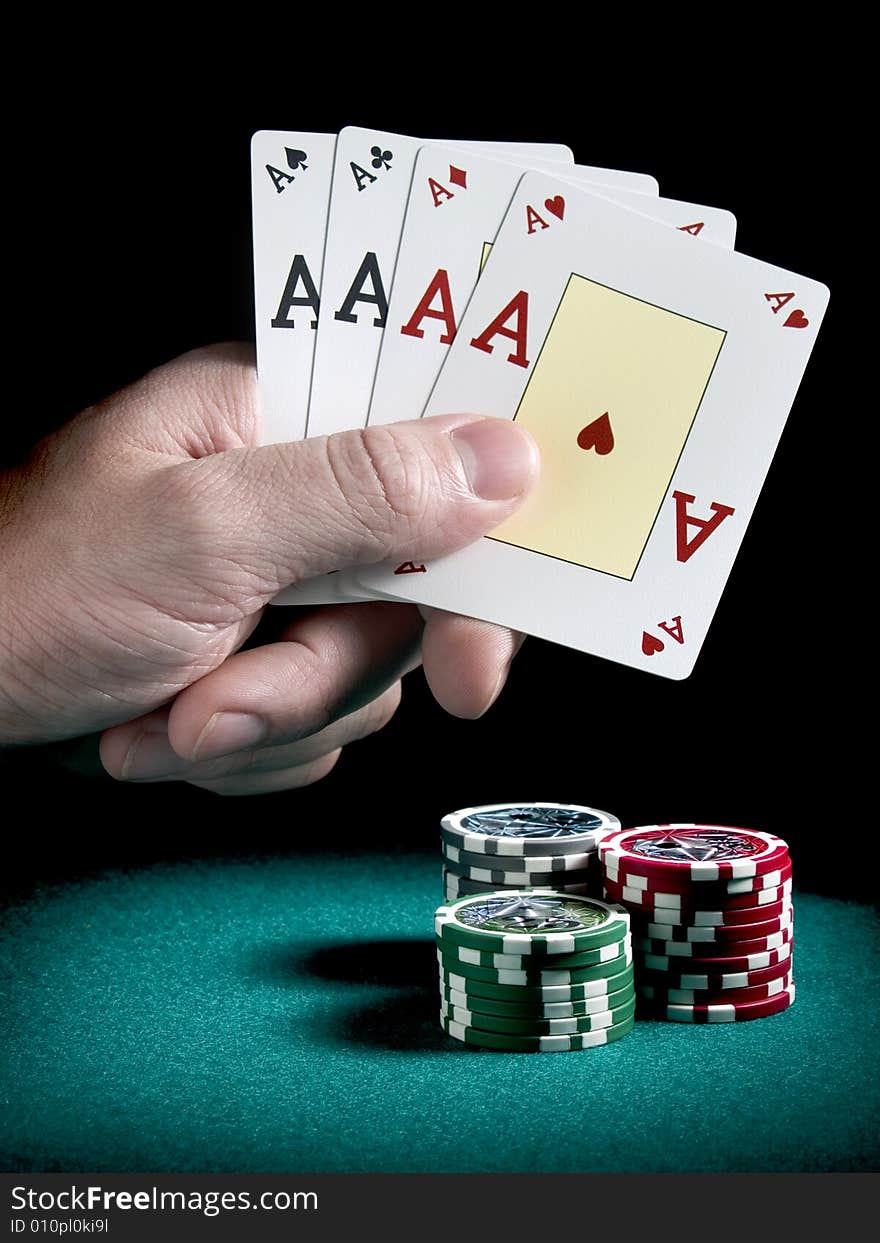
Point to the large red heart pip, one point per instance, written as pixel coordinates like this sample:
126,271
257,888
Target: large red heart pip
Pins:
797,319
597,435
556,205
651,644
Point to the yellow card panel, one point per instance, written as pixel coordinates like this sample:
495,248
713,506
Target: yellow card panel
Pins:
647,368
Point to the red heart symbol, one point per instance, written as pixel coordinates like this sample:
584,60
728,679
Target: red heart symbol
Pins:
797,319
597,435
650,644
556,205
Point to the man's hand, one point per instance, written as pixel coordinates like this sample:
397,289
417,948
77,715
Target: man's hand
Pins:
140,545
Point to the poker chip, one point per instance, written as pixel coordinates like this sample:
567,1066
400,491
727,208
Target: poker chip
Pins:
538,1026
731,1012
695,918
523,846
713,932
523,829
536,1044
464,954
710,893
606,979
465,859
530,978
697,925
713,949
531,923
719,966
714,981
686,898
455,887
542,1009
533,969
698,996
698,853
712,919
519,880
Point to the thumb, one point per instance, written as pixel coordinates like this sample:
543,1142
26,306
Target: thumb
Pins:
403,491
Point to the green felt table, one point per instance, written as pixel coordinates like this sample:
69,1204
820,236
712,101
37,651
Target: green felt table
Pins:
280,1014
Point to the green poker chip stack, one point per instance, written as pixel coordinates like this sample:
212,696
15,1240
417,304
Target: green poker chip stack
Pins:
534,971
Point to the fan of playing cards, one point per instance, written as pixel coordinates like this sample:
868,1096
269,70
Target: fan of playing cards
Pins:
653,364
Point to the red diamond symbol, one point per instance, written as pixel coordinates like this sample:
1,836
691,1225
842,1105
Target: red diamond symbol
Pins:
458,176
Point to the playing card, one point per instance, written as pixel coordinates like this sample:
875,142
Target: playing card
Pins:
349,385
656,372
326,589
456,206
290,187
292,373
371,176
440,256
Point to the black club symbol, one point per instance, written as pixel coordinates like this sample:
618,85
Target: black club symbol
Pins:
381,159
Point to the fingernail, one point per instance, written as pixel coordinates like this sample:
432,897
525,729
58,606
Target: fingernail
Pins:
150,757
228,732
499,458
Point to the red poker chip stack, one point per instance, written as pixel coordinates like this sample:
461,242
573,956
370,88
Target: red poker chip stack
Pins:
712,919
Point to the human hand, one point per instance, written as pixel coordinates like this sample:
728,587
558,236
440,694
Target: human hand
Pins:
141,544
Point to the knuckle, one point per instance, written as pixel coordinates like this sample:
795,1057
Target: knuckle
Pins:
224,386
386,482
203,499
226,367
208,397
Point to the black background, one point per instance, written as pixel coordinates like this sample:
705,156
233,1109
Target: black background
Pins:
133,244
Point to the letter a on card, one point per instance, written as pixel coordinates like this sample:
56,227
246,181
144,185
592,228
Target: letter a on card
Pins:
518,308
705,526
438,288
